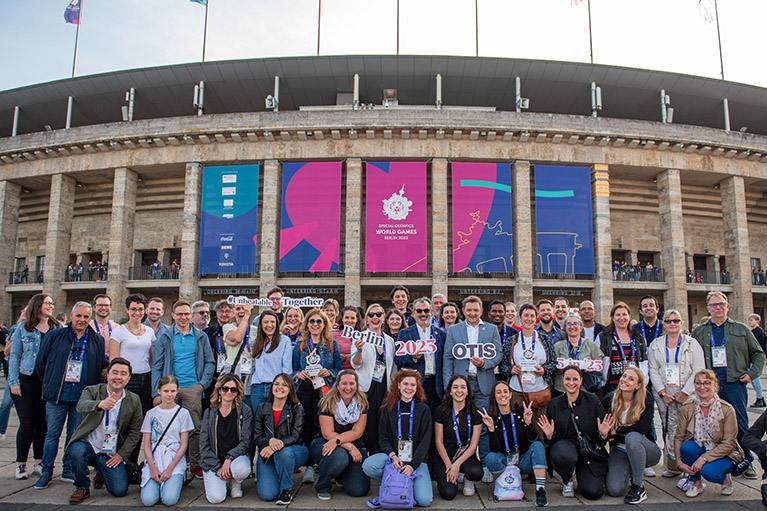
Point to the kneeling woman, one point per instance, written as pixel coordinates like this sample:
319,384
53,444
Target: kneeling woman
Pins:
631,449
277,427
513,440
225,440
581,408
339,450
457,428
405,434
706,436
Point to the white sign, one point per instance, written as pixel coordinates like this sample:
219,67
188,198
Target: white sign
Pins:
584,365
414,347
265,302
461,351
367,336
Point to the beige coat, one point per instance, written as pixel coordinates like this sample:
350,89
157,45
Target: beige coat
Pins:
725,438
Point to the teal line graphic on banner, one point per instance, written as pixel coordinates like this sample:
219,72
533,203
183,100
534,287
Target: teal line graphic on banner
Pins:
461,351
265,302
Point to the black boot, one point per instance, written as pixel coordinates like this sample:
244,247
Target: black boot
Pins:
759,403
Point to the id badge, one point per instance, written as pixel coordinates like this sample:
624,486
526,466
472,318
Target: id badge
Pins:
110,441
379,370
405,450
631,363
672,375
318,382
429,362
719,355
74,371
512,458
246,365
472,368
528,377
458,453
220,362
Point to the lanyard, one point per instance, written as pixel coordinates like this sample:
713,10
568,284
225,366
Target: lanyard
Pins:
503,334
399,420
724,340
506,435
522,338
657,331
218,340
678,345
106,424
85,340
617,340
246,340
455,427
577,352
109,326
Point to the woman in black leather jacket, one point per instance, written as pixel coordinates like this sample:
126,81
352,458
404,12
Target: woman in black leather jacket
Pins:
277,427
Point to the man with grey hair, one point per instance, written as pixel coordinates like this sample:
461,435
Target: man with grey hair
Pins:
70,359
200,314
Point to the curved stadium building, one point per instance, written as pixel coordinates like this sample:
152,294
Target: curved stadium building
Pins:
440,184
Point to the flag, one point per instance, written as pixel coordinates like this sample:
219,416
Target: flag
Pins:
202,2
72,12
707,10
577,3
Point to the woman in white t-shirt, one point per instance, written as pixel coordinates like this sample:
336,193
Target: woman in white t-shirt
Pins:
163,474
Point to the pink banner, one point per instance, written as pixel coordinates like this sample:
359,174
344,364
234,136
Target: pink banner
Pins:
396,233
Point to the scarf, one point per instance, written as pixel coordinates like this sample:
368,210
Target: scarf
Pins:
348,414
706,426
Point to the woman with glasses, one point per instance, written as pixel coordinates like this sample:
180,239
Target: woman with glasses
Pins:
272,355
449,315
225,440
350,317
623,346
316,362
577,347
375,368
291,324
706,437
26,386
674,360
277,426
394,321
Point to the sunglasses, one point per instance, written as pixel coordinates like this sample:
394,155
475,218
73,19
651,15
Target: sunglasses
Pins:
375,314
232,390
422,311
314,321
669,321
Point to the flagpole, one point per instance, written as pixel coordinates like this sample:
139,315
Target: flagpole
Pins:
476,27
397,27
591,38
719,38
205,31
77,38
319,25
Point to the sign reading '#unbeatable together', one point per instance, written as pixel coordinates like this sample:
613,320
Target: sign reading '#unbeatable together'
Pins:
265,302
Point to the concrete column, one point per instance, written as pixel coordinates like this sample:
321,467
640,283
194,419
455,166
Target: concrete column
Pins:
672,240
353,240
190,234
163,255
58,237
736,246
121,237
603,272
439,235
269,245
9,222
523,232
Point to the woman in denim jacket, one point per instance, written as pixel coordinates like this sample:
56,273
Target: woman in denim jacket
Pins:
26,387
316,362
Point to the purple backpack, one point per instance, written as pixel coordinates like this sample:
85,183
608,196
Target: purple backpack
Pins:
396,490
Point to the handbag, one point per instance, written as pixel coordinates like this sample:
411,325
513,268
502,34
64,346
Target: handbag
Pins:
143,463
588,449
537,399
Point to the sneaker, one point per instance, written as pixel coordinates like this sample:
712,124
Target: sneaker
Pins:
750,473
568,490
487,476
284,498
635,495
2,437
323,495
21,471
694,491
43,482
649,472
79,495
759,403
308,476
727,485
468,488
670,473
68,477
37,469
540,498
235,490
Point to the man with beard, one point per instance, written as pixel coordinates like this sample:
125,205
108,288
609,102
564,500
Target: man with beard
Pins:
546,321
591,328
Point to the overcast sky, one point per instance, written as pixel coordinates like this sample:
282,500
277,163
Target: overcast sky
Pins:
667,35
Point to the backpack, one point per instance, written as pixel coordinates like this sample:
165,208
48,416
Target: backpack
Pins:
396,490
508,485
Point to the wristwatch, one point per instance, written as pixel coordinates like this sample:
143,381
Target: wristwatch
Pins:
338,441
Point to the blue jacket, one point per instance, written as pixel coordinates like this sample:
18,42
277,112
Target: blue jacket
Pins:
25,346
406,361
330,359
162,362
54,353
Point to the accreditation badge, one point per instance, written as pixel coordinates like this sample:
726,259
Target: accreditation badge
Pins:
672,375
220,362
74,371
405,450
379,370
719,356
110,441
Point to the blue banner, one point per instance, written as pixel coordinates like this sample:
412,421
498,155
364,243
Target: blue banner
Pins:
229,219
563,222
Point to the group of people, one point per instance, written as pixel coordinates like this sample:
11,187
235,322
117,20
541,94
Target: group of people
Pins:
637,272
94,271
550,390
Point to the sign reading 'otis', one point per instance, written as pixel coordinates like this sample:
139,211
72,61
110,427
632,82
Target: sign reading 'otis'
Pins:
461,351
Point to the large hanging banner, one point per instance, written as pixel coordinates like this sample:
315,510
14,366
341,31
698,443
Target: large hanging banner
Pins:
482,226
395,219
563,221
310,224
229,219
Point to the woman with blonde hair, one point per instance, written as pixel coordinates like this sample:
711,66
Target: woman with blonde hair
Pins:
631,449
291,323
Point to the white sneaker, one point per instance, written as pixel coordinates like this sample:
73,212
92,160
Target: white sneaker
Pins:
236,489
37,469
649,472
727,485
487,476
568,490
468,488
669,473
694,491
308,476
2,436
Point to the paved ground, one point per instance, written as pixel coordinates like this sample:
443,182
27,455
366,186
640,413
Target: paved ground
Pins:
20,495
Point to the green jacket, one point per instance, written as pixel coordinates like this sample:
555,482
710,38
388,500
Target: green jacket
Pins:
128,425
744,355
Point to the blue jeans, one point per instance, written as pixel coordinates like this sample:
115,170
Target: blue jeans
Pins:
534,457
736,393
55,415
339,465
757,384
80,455
714,471
169,491
422,488
258,394
482,401
5,410
276,473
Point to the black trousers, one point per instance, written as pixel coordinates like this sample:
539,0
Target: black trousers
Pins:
566,460
309,397
30,408
141,384
471,468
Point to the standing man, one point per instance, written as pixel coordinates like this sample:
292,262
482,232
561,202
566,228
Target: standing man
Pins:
437,301
546,321
734,355
154,311
185,352
275,295
200,314
215,335
70,359
651,326
591,329
753,324
400,296
428,364
561,310
110,430
102,309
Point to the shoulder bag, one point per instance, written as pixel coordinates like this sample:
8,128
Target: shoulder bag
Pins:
537,399
588,449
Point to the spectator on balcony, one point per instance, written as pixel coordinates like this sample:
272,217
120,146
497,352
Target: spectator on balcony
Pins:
101,268
71,273
650,326
91,269
102,308
25,275
79,271
753,324
154,312
689,276
174,267
616,269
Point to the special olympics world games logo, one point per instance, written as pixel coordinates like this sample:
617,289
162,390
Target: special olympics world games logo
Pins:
397,207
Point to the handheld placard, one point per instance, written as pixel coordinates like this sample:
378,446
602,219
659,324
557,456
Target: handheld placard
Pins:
584,365
461,351
367,336
415,347
265,302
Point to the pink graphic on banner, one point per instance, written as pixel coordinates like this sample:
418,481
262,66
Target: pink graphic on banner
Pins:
395,220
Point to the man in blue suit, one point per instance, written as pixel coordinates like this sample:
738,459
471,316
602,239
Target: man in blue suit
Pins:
429,364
